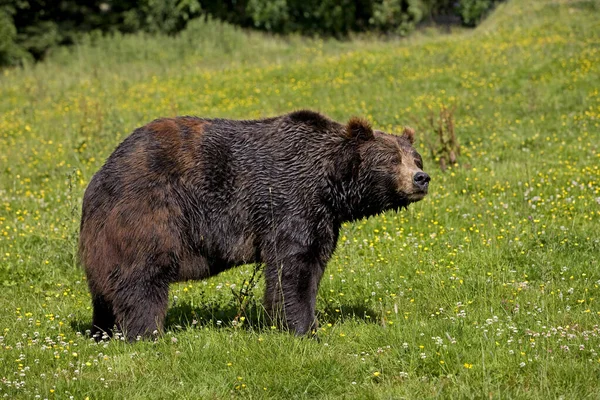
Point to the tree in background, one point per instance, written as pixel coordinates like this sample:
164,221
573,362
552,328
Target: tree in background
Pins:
30,28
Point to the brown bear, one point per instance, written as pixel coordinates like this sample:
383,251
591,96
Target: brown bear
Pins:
186,198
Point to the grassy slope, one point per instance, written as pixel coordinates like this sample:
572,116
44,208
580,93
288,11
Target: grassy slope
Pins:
488,288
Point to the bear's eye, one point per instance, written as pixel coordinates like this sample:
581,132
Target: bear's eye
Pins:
419,163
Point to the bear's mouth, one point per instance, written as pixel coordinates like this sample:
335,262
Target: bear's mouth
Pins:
416,196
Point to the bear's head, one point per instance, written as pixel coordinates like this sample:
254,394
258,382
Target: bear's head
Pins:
388,167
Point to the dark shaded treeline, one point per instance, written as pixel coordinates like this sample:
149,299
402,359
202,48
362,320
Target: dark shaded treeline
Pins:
29,28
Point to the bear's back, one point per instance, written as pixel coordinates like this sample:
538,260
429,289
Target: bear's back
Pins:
210,163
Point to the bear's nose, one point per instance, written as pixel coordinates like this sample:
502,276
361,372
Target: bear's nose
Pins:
421,180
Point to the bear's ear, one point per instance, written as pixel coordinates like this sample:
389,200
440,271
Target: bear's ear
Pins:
359,129
409,134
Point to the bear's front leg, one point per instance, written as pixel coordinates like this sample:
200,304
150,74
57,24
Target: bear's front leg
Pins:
291,291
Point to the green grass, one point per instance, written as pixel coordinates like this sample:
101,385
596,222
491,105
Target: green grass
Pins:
489,288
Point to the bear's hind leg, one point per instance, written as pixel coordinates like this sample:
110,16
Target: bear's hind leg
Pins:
141,307
103,319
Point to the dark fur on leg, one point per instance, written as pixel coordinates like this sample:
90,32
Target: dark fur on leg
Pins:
291,293
103,319
142,309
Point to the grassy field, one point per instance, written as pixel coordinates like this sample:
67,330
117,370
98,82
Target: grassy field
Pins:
489,288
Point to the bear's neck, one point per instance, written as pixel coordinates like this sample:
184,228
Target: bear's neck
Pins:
356,198
350,201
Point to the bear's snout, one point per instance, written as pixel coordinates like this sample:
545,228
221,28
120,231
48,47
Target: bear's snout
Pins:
421,181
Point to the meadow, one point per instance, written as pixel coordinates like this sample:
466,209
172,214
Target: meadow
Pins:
488,288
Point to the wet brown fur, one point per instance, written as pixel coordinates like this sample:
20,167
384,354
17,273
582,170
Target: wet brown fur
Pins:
186,198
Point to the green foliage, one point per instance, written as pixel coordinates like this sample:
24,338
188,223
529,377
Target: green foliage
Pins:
37,26
34,28
331,17
271,15
473,11
39,38
397,16
311,17
10,52
159,16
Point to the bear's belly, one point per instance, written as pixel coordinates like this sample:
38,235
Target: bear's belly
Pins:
213,257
